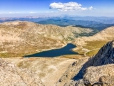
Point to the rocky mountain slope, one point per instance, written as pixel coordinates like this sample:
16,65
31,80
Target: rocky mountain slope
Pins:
106,34
21,38
89,46
11,75
104,56
37,71
98,70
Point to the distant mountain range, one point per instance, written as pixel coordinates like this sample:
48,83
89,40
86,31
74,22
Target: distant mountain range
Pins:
78,23
96,23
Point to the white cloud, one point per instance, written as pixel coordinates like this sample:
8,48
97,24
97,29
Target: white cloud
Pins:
90,8
70,6
32,12
14,12
10,12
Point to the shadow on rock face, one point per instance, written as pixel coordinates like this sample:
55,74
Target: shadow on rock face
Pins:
104,56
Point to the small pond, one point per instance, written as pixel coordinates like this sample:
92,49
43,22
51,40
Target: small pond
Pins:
66,50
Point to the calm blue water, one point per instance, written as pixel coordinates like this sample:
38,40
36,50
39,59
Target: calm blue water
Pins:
67,50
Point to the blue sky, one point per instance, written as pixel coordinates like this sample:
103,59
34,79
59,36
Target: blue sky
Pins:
15,8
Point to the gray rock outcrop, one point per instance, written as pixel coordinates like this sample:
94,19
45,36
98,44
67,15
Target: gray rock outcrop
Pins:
104,56
11,76
99,75
98,70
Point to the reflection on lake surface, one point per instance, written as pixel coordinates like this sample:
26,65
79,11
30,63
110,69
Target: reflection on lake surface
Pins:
67,50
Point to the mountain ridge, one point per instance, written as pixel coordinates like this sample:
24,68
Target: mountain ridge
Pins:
90,45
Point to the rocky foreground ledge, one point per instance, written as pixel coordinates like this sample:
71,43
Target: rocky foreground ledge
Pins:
38,71
98,70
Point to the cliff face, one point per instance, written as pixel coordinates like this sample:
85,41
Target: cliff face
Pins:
98,70
102,67
104,56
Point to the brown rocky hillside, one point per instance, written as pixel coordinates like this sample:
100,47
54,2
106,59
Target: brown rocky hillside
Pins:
89,46
20,38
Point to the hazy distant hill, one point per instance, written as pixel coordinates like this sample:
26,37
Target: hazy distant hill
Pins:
98,23
80,23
